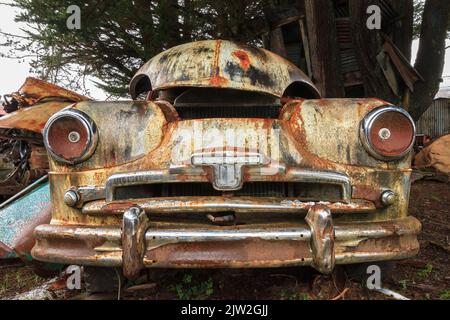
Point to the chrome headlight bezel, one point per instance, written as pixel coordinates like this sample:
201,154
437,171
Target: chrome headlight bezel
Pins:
87,123
366,127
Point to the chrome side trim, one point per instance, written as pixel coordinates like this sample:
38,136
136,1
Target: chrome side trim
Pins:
87,122
185,235
343,232
366,126
139,178
166,176
202,205
322,177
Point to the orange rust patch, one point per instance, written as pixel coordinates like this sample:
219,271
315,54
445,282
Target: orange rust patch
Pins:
244,59
297,130
117,207
218,81
215,67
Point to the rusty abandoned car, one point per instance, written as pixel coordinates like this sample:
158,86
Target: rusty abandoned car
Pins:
233,160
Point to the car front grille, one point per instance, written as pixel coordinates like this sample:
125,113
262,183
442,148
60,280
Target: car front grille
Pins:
249,189
265,112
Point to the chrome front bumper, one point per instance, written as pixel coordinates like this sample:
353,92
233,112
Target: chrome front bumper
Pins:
148,237
317,243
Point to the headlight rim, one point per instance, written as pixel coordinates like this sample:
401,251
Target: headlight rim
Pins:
366,126
87,123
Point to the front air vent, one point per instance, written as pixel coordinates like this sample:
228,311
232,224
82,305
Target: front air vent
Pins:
265,112
204,103
249,189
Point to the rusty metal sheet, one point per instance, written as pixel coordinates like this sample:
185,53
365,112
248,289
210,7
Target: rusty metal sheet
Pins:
32,118
18,220
35,90
219,64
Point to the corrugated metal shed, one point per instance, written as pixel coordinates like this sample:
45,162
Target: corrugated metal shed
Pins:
436,120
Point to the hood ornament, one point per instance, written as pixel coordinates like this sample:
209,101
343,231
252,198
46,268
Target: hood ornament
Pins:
227,166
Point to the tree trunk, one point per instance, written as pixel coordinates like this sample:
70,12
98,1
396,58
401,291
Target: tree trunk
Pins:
403,28
431,55
324,48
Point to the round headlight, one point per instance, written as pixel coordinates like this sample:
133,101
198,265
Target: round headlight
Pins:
388,133
70,136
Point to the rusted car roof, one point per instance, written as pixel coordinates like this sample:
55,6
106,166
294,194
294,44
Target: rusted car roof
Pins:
221,64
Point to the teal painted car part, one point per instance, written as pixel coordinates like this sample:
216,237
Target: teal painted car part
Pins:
18,220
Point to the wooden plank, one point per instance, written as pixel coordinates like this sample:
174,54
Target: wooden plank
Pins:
324,48
276,41
306,46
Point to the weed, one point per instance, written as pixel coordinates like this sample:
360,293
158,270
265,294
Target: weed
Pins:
19,278
425,272
187,289
404,283
285,295
445,295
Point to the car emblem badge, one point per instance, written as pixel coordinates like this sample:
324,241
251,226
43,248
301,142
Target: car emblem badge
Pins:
227,166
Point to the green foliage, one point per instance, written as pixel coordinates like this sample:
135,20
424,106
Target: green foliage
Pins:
445,295
417,18
188,289
117,37
419,6
294,295
425,272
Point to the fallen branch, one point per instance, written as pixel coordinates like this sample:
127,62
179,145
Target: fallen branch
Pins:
141,287
440,245
423,287
340,295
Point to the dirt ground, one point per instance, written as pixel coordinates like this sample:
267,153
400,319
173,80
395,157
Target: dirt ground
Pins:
426,276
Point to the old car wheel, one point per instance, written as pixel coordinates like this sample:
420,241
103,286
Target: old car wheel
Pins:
102,280
358,272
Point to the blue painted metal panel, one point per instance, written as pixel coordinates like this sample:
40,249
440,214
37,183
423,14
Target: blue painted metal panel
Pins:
18,220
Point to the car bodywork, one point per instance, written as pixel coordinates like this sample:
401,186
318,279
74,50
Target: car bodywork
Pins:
24,164
184,179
